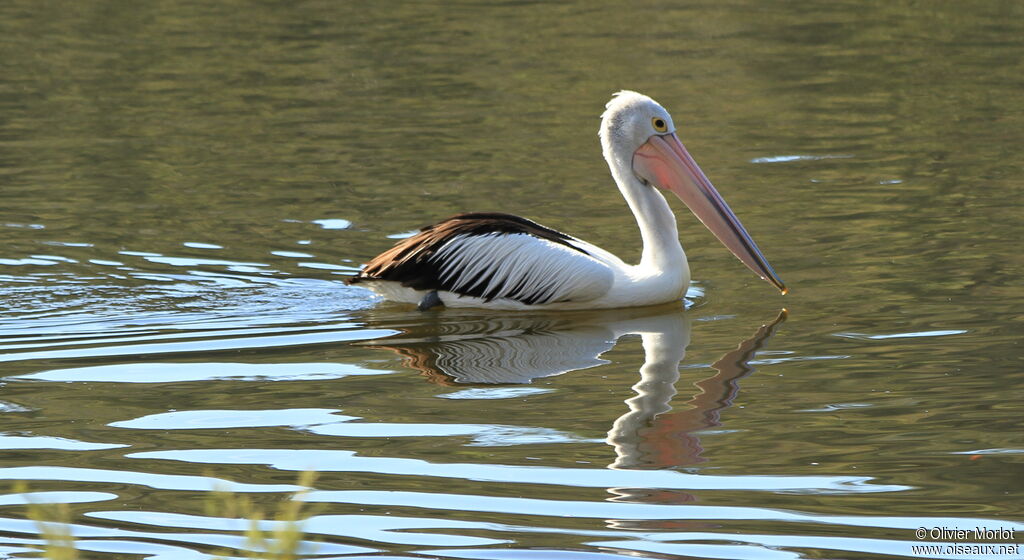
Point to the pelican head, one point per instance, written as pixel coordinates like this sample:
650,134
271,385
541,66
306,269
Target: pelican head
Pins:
639,141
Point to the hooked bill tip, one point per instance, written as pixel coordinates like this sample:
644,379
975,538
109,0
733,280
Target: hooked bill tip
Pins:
777,283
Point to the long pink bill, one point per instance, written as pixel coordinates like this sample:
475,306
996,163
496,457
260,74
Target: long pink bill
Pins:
664,162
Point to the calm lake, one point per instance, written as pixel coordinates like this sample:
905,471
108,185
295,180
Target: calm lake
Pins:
184,188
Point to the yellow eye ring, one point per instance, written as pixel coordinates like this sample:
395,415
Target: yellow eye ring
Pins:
659,124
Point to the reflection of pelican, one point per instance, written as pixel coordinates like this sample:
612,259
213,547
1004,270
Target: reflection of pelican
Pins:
649,436
507,262
519,349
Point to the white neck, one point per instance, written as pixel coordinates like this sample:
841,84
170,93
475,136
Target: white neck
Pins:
662,253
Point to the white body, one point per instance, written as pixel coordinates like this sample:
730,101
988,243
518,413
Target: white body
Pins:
599,281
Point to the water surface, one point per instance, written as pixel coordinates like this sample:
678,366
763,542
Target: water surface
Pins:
185,188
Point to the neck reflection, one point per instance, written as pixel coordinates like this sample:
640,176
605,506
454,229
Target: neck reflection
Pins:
651,435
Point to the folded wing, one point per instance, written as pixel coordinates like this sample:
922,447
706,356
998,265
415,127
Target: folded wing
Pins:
494,256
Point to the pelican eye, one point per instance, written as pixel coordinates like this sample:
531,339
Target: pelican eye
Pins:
659,124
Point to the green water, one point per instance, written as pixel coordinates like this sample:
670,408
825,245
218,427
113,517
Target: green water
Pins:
185,186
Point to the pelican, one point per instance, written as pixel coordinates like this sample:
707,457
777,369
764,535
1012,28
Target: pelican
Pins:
501,261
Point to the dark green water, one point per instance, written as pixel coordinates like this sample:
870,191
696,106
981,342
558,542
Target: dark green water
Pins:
184,187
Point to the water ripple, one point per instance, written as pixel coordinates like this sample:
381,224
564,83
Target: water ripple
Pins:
180,372
152,480
393,529
632,511
254,338
326,460
47,442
